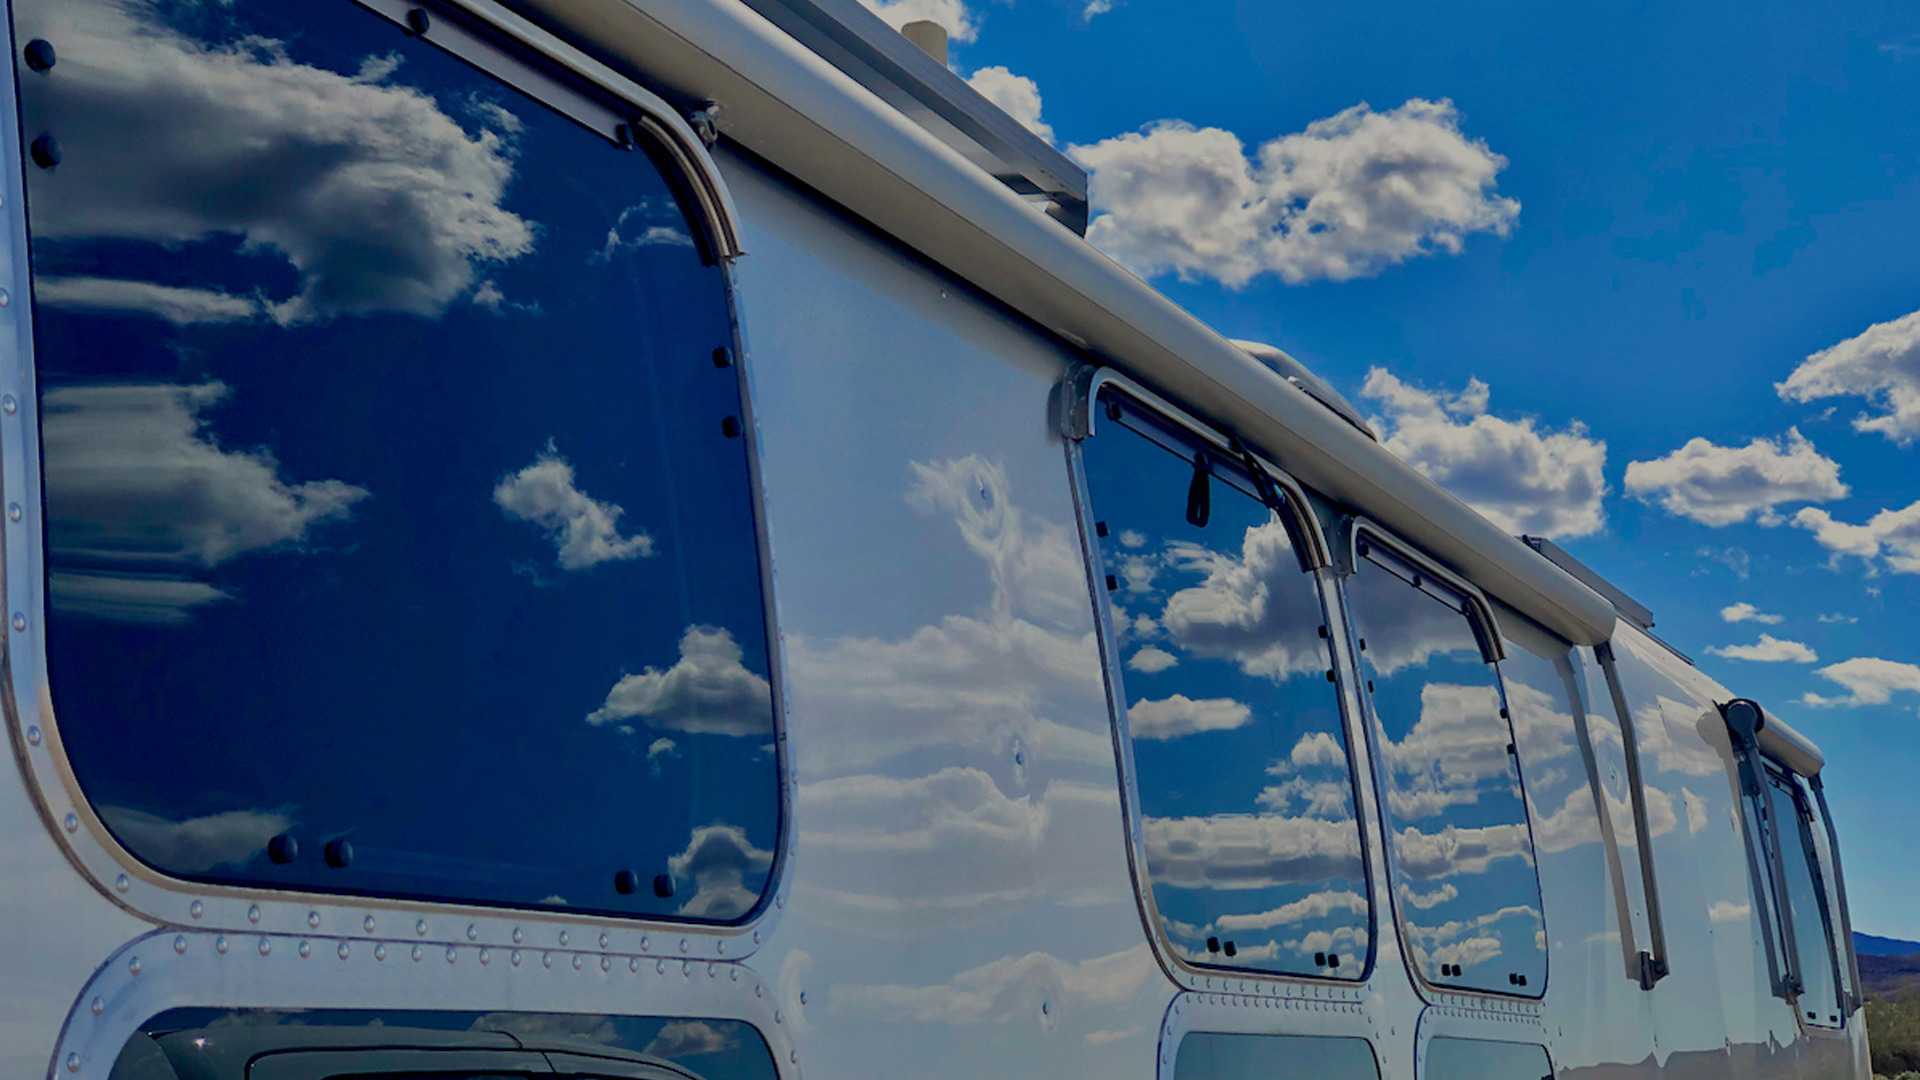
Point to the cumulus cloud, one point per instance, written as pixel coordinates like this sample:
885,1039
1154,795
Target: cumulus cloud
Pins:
708,692
1426,901
1016,95
1881,365
645,225
1769,650
135,480
1097,7
1745,612
1869,681
1890,537
1009,988
1315,748
199,844
1724,485
1180,715
1456,850
1524,478
1035,564
1244,851
1312,906
725,869
1840,617
1352,195
377,198
1258,610
585,531
954,15
1457,744
691,1038
1149,660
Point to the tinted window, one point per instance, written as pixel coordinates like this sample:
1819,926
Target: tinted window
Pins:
1241,761
261,1044
1480,1059
399,527
1468,896
1207,1056
1806,898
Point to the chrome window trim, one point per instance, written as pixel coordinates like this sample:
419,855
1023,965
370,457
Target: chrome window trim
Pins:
1493,651
1858,998
1080,390
1656,965
24,693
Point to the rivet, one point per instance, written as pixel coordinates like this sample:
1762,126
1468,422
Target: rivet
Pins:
266,947
803,998
563,938
683,944
253,913
420,928
379,951
712,969
576,961
9,405
46,151
546,959
779,901
603,941
720,948
19,621
39,54
659,967
758,990
779,1017
686,969
180,944
417,954
756,937
368,923
343,950
734,974
451,954
473,932
1046,1008
33,736
306,950
6,298
793,1056
99,1007
633,965
486,956
313,920
606,964
73,1062
338,853
133,966
514,958
121,883
418,22
516,935
643,943
220,944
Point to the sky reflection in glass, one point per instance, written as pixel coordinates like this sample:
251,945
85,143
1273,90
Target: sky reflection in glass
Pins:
389,507
1241,761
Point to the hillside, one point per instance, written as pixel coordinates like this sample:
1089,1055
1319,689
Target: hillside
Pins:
1874,945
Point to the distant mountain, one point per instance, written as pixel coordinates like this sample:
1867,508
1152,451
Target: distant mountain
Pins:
1870,945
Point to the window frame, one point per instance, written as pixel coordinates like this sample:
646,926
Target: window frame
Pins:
1357,532
1655,961
513,51
1077,404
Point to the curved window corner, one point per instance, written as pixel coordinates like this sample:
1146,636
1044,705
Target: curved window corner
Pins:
1466,889
401,534
1239,760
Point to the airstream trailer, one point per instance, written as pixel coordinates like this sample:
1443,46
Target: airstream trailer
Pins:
635,538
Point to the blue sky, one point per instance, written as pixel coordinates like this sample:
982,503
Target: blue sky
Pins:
1628,226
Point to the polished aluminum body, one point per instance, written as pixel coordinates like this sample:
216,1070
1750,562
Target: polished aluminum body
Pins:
961,888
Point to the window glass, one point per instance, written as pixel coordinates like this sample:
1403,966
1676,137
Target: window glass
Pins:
1246,796
399,526
1482,1059
1813,941
327,1044
1610,772
1469,898
1210,1056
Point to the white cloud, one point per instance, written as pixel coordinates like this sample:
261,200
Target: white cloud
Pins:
645,225
1839,617
153,599
1890,535
1458,743
1331,799
378,199
197,845
1724,485
1244,851
1132,539
1869,680
1010,988
1352,195
1745,612
1097,7
709,691
689,1038
1312,906
1101,1038
1768,650
1726,911
1524,478
1036,565
1314,748
1259,610
1425,901
1882,365
1151,661
134,479
1456,850
1180,715
719,861
1696,811
1016,95
584,530
953,14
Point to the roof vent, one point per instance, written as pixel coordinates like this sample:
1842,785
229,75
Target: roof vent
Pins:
930,36
1307,382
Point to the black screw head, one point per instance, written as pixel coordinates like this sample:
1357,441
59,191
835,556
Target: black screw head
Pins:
1228,948
730,427
46,151
283,849
1319,959
339,853
418,21
1213,944
626,882
1333,959
722,357
39,54
663,885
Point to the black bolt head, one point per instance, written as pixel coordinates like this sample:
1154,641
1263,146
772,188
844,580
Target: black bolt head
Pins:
722,357
283,849
339,853
663,885
1213,944
730,427
1333,959
1228,948
1319,959
626,882
39,54
418,21
46,151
